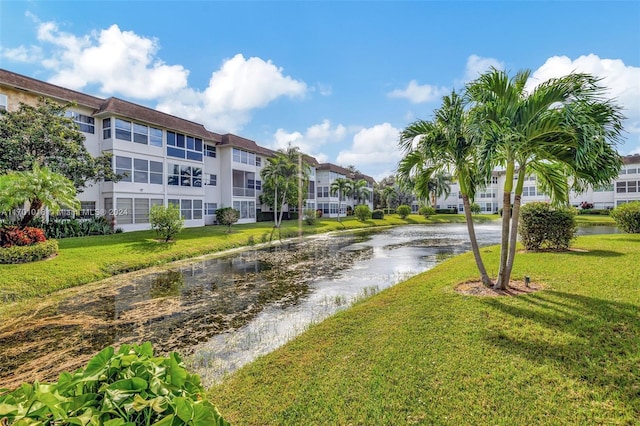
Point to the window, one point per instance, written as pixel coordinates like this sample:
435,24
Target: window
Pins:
211,180
85,123
210,208
123,168
155,137
185,209
604,188
155,172
141,212
247,209
124,211
3,101
258,161
87,209
258,185
494,180
632,186
140,134
182,146
210,151
106,128
243,183
197,209
140,171
133,132
632,171
244,157
180,175
123,130
621,187
189,209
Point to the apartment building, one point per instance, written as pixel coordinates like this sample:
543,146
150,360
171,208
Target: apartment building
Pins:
164,159
623,189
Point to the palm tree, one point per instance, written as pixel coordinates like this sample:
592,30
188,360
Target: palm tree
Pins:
358,190
41,188
439,186
389,193
445,145
340,186
563,129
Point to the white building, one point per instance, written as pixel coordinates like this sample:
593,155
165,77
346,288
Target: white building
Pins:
163,158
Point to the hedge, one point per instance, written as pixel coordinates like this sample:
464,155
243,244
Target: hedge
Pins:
23,254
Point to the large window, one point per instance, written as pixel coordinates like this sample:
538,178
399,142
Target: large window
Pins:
244,157
210,151
106,128
189,209
627,186
210,208
139,170
181,175
211,180
183,146
123,168
134,132
85,123
87,209
244,184
247,209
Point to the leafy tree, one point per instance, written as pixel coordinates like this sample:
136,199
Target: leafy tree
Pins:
43,136
627,217
284,177
362,212
166,221
427,211
445,145
438,186
342,187
40,188
358,190
403,211
562,131
475,208
227,216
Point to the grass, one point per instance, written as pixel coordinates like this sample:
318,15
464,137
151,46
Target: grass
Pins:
420,353
88,259
595,220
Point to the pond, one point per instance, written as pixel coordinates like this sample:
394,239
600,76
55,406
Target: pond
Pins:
224,312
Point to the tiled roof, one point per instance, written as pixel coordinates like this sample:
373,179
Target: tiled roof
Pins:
334,168
246,144
22,82
152,116
631,159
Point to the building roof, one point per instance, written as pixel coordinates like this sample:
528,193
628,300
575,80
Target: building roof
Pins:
631,159
42,88
246,144
148,115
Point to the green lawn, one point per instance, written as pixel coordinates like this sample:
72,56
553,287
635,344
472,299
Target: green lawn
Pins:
88,259
419,353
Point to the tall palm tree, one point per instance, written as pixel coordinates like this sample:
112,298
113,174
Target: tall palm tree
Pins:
41,188
445,145
439,186
563,129
358,190
340,186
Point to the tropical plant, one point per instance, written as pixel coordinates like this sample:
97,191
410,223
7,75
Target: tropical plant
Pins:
627,217
563,130
166,221
362,212
445,145
377,214
544,226
340,186
227,216
127,387
310,216
40,188
438,185
44,136
475,208
358,190
403,211
426,211
284,177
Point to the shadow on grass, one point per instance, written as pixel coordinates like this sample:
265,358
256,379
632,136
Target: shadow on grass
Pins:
595,253
595,341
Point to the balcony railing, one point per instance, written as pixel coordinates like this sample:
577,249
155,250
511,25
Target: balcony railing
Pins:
244,192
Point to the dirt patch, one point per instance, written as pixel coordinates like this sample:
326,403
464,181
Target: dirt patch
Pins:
516,288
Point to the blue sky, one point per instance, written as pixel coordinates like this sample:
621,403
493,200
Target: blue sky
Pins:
339,79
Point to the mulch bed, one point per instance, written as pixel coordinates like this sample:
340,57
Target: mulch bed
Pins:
516,288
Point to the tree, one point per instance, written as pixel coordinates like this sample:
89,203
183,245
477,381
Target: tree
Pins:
358,190
43,136
341,186
445,145
40,188
362,212
284,177
227,216
563,130
439,186
166,221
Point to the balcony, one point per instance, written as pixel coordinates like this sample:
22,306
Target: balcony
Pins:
244,192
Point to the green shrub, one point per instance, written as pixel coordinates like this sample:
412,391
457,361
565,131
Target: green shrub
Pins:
23,254
166,221
627,217
377,214
603,212
227,216
543,226
310,216
475,208
362,212
403,211
427,211
129,387
447,211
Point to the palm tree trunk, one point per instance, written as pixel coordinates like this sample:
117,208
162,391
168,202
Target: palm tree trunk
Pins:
275,208
514,235
474,242
284,198
503,282
34,207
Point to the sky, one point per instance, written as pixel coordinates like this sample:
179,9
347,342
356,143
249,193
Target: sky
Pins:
339,79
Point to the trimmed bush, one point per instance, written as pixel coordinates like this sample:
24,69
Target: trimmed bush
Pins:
627,217
543,226
310,216
227,216
129,387
166,221
403,211
427,211
603,212
24,254
363,212
475,208
377,214
447,211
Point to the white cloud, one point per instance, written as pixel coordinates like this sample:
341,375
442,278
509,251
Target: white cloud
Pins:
374,150
325,89
622,81
312,140
27,54
417,93
119,62
477,65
